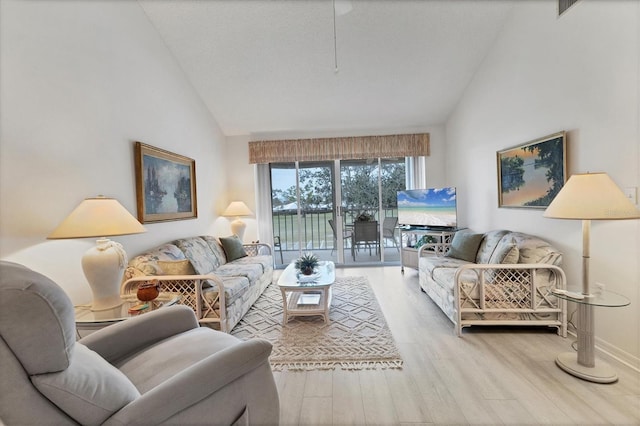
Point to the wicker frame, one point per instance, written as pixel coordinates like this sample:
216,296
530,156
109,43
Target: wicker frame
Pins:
190,287
510,289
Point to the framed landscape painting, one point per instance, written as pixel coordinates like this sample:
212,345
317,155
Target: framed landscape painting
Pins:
165,185
530,175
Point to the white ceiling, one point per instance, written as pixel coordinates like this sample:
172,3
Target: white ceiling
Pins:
268,66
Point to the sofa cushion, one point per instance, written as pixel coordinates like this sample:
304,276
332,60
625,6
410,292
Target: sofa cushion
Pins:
147,263
216,248
506,252
252,271
535,250
90,390
166,359
464,246
199,253
266,261
176,267
444,277
233,248
234,287
488,245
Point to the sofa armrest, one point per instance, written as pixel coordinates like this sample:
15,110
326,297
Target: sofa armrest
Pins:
509,288
256,249
195,384
428,249
192,291
119,340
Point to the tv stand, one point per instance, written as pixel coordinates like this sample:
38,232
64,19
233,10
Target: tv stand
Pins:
439,244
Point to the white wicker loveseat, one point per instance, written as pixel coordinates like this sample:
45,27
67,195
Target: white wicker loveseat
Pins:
219,283
507,278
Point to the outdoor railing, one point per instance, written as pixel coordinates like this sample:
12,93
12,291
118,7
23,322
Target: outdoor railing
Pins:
313,227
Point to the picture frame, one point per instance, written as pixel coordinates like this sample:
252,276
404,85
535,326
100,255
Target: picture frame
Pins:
531,175
165,185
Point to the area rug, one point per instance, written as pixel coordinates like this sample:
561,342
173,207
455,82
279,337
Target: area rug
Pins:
357,336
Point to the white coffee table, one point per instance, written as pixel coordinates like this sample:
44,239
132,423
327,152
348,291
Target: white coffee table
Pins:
307,298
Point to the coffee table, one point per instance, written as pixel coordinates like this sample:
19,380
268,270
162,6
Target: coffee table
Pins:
310,297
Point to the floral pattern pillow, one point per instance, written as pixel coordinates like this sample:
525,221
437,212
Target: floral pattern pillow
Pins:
199,253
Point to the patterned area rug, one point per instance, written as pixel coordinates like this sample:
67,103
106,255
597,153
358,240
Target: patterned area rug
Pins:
357,336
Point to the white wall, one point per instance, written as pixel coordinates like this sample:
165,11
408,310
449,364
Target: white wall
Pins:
578,73
80,82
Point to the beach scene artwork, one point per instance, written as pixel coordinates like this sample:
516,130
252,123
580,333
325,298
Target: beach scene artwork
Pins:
427,207
532,174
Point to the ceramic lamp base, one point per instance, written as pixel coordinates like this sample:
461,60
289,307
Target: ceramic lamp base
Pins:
238,227
103,266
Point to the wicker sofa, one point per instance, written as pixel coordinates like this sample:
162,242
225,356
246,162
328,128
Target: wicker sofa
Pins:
220,286
507,281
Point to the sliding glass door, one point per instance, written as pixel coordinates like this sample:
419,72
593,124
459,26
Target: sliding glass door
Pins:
321,207
302,199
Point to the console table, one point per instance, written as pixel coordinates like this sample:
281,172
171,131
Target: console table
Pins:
409,238
583,363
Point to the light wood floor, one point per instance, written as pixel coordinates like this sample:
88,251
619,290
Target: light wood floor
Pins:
489,376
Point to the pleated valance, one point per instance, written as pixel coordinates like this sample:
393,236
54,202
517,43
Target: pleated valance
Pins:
344,148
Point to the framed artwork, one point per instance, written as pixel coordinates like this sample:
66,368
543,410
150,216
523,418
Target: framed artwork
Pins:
165,185
530,175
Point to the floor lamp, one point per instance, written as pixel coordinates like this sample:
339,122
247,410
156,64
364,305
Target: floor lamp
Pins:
103,264
587,197
237,209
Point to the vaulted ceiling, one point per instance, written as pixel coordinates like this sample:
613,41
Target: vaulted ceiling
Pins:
266,66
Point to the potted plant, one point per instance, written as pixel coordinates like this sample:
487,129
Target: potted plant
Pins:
364,217
307,263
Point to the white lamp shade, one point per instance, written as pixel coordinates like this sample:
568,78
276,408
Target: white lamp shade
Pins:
591,196
103,264
98,217
237,208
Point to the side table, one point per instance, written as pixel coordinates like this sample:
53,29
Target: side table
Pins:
86,319
583,363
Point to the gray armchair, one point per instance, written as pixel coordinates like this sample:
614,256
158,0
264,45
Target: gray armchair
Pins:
159,368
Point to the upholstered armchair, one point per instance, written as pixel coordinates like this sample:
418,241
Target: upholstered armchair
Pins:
158,368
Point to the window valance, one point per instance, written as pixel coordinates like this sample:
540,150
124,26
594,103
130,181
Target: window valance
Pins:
343,148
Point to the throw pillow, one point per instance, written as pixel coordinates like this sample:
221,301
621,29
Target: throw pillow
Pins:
233,248
464,246
90,390
176,267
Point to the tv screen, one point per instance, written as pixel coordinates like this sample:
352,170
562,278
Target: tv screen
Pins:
432,207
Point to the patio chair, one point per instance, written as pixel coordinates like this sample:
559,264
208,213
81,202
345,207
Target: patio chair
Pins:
277,244
365,234
345,235
389,230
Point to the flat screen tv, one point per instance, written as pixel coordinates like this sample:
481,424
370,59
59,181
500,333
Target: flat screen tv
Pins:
429,208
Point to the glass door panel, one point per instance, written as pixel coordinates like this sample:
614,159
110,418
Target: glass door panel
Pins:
393,179
302,204
360,208
284,212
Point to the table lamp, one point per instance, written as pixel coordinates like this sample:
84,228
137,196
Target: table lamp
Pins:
104,264
237,209
587,197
